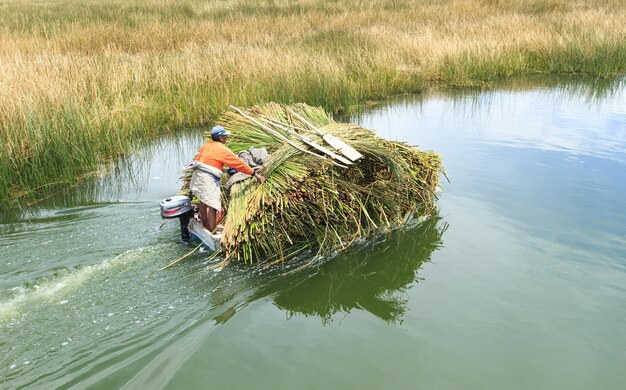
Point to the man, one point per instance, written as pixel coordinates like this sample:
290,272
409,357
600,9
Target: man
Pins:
205,180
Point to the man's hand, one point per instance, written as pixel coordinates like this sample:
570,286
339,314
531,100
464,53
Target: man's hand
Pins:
260,178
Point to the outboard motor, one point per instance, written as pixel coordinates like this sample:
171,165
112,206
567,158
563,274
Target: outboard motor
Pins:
180,207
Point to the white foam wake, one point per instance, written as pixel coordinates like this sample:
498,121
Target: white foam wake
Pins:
53,290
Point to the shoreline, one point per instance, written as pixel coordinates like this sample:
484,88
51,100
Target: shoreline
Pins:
85,84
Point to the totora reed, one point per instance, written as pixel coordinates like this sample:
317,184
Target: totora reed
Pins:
84,82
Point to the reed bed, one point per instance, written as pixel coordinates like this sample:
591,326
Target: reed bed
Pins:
312,201
81,82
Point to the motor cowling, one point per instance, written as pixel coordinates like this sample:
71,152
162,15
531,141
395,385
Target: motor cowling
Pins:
175,206
180,207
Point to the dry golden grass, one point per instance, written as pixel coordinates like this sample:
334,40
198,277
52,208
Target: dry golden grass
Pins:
80,80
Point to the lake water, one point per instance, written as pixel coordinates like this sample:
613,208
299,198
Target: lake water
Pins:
518,282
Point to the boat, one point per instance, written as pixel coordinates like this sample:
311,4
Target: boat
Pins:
210,240
180,207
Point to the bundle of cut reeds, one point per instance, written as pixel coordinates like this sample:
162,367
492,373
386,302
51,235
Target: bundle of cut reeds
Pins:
316,197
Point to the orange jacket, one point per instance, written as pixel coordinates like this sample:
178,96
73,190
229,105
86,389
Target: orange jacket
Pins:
216,154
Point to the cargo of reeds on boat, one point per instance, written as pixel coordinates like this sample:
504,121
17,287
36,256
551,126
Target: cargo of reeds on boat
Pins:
316,199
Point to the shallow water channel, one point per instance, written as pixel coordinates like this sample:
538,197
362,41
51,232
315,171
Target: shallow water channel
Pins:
519,282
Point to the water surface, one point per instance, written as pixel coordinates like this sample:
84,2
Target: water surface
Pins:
517,282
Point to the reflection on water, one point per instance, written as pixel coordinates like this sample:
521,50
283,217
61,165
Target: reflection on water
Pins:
372,278
129,178
547,107
592,91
